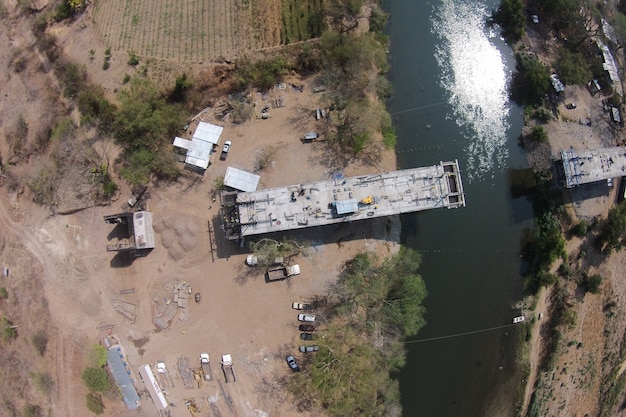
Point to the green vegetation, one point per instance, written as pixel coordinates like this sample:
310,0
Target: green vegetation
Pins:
40,341
44,382
538,134
30,410
301,20
546,243
96,379
260,74
9,333
592,283
133,60
94,403
97,355
531,81
572,67
614,233
372,309
143,125
510,16
4,294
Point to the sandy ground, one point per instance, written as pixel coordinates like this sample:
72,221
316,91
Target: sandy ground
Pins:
239,313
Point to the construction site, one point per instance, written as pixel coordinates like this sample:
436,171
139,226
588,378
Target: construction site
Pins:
341,199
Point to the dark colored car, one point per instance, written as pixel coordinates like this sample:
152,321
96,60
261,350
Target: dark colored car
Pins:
306,328
307,336
292,363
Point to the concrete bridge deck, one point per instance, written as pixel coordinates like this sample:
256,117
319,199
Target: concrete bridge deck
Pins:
341,199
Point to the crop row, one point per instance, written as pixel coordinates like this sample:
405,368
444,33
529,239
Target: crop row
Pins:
183,30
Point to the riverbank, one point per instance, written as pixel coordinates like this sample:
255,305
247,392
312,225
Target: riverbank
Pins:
568,374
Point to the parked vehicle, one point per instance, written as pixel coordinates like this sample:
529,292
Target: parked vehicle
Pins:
306,317
307,336
308,349
292,363
306,328
225,150
227,368
283,272
136,197
206,366
518,319
301,306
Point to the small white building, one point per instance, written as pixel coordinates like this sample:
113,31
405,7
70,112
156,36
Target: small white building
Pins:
201,146
241,180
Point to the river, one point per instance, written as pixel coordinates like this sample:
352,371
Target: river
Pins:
450,75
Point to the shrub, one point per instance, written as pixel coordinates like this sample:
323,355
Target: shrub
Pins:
31,411
106,64
572,67
538,134
98,355
43,382
96,379
132,59
592,283
4,294
40,341
94,403
9,333
126,79
580,229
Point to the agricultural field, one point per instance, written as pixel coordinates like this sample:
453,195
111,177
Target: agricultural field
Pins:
204,30
182,30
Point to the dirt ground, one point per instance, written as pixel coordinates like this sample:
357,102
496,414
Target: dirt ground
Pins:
62,262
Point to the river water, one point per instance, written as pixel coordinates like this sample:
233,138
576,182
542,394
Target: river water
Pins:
450,75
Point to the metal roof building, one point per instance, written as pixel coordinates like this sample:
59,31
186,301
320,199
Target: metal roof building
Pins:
341,199
589,166
199,149
121,375
241,180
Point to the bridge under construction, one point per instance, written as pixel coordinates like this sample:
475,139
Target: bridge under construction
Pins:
341,199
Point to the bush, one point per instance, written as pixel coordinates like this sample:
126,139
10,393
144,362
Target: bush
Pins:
106,64
132,59
43,382
40,341
9,333
572,67
98,355
94,403
126,79
538,134
4,294
592,283
580,229
31,411
96,379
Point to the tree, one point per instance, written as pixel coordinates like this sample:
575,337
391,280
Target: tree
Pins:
267,250
538,134
615,230
532,80
572,67
9,332
96,379
510,15
94,403
40,341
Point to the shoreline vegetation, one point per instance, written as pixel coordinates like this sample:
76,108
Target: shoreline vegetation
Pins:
376,303
565,251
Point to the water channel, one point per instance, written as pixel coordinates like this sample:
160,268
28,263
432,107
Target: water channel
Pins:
450,75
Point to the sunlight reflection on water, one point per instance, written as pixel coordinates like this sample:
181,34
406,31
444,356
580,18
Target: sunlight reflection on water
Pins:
475,79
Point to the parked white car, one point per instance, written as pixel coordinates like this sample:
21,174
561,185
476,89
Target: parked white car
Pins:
306,317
